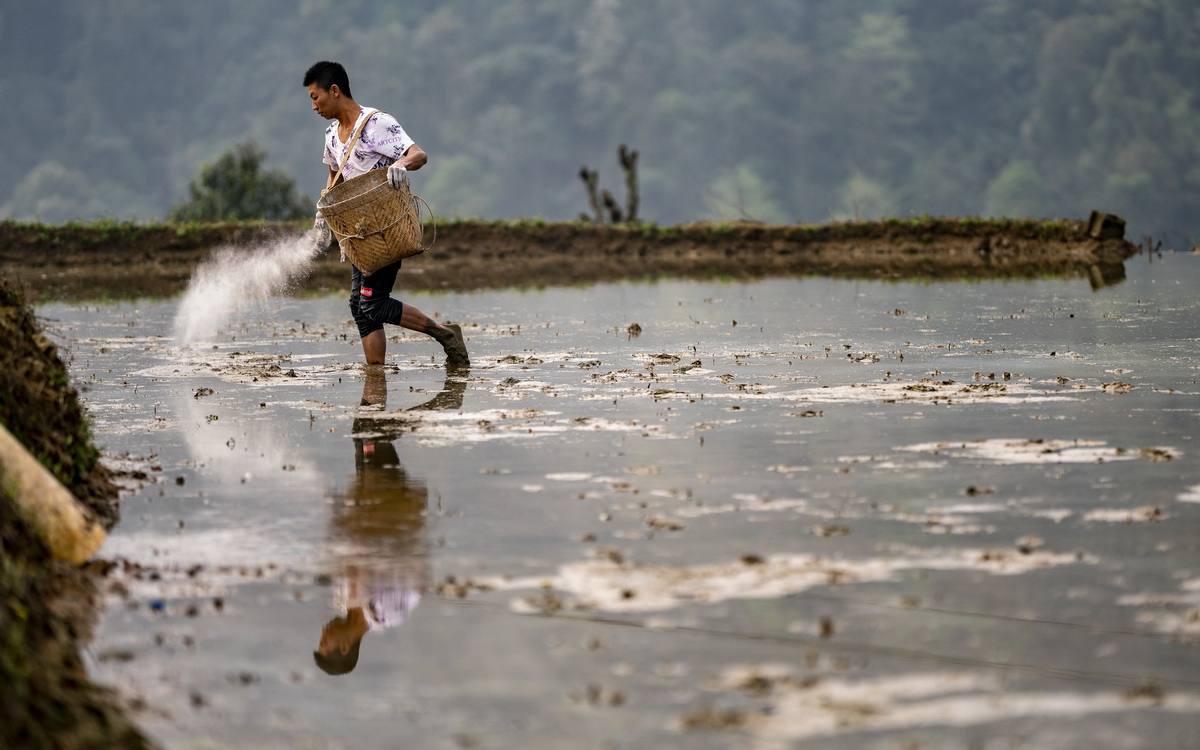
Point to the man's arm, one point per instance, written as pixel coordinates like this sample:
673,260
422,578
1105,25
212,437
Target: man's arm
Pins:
414,158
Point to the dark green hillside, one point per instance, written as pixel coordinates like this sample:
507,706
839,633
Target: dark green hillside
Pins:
779,110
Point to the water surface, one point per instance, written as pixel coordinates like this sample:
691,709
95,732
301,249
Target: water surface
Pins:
793,512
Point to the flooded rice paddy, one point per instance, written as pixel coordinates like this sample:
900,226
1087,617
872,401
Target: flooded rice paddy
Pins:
790,513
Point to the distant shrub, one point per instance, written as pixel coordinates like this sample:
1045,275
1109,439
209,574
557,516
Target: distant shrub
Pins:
236,187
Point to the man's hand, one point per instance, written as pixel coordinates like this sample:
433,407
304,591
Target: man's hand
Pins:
397,173
322,226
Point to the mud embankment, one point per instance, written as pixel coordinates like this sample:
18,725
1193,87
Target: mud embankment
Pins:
47,606
125,260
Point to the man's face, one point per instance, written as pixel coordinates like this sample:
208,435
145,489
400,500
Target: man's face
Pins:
337,634
322,100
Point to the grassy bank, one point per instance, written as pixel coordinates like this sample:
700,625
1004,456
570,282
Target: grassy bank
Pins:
46,606
104,235
107,260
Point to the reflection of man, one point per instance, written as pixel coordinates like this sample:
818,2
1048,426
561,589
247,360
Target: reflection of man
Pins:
377,532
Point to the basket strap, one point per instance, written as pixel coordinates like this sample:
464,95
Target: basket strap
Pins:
350,148
432,219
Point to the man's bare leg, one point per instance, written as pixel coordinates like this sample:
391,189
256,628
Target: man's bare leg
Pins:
449,336
374,346
415,320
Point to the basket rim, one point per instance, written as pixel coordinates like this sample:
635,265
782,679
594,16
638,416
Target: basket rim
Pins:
357,188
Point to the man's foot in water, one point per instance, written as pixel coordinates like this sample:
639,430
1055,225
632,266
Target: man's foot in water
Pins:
450,336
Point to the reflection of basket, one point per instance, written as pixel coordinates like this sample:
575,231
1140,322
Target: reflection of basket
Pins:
374,223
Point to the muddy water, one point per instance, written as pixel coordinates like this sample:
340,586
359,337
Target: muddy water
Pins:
788,513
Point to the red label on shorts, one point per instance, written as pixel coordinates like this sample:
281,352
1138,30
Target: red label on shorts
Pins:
364,291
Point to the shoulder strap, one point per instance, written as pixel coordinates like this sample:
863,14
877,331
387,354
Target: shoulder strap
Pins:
350,147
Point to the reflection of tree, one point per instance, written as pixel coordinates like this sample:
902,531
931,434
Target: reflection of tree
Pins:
377,532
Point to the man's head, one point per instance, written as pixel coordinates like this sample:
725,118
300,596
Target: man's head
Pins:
329,88
335,662
337,653
326,75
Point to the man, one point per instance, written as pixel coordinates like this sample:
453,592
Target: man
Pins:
378,531
383,144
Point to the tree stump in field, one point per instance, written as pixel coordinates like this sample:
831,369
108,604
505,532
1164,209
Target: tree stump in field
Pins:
1103,226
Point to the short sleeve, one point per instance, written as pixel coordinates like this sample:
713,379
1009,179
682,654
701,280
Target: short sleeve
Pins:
329,155
384,136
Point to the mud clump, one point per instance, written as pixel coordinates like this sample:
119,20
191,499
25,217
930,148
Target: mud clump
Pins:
47,607
41,409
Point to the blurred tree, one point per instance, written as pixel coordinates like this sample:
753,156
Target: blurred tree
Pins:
741,194
934,101
463,187
1018,191
865,199
53,193
236,187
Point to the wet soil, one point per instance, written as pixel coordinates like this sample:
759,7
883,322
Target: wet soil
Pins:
47,608
81,262
788,512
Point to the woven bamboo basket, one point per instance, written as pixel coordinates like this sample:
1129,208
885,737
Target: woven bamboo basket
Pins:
374,223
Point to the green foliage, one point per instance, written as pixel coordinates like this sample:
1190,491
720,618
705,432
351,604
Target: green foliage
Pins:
742,194
864,198
236,187
779,110
463,183
1018,191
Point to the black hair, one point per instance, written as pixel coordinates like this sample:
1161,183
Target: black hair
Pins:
325,74
335,662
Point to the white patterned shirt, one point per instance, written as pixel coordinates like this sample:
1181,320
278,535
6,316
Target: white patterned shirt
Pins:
382,142
387,597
